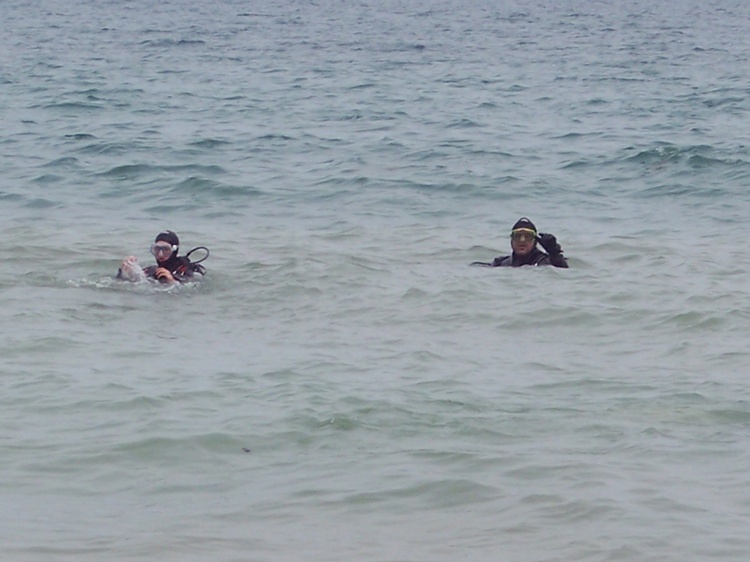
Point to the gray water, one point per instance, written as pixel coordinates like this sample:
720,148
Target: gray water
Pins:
342,386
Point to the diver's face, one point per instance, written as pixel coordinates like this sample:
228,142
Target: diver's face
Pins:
522,241
162,251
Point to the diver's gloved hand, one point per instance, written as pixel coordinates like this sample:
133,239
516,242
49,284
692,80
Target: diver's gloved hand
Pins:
549,243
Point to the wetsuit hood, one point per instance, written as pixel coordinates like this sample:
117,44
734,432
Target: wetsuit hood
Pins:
172,239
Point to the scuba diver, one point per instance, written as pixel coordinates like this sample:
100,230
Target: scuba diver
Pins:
170,268
523,240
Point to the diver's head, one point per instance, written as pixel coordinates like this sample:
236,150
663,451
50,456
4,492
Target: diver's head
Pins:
523,237
165,246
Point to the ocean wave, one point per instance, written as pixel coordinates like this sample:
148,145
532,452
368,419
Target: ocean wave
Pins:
168,42
136,171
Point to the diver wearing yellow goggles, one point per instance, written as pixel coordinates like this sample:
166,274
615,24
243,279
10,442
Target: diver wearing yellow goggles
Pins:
523,241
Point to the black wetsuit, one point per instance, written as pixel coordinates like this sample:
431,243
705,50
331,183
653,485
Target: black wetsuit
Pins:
180,267
534,257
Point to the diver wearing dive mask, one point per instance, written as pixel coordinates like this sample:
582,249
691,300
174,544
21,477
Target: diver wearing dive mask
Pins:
523,242
169,268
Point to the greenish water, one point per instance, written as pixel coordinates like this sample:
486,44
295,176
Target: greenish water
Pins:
342,385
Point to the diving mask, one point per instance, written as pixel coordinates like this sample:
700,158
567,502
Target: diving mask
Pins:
523,235
161,249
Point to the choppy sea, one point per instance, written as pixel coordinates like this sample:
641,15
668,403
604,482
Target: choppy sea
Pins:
342,385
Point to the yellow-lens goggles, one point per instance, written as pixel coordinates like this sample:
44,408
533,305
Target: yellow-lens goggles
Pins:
523,234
